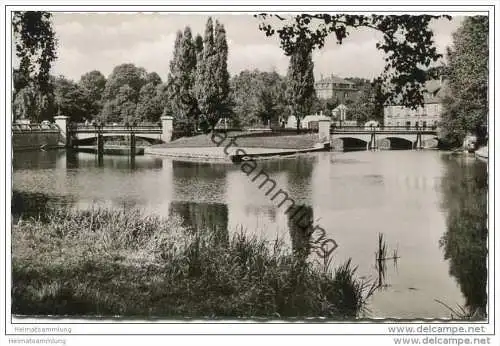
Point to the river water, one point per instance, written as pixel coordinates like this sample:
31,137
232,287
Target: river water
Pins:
430,207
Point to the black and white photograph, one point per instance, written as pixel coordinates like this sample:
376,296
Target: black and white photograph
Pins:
244,166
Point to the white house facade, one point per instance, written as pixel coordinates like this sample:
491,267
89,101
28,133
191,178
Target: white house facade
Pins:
427,116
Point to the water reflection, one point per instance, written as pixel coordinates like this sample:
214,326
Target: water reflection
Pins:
465,188
413,198
37,159
71,160
204,217
199,182
299,220
34,204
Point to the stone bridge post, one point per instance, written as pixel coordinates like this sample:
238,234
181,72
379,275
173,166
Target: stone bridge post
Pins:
167,126
324,130
62,122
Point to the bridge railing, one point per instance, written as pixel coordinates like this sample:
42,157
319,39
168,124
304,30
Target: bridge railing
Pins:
113,128
35,127
337,129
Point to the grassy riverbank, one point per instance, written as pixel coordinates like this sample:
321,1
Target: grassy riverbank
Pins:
305,141
121,263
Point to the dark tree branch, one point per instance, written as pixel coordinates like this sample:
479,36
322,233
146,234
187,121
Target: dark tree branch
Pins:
407,43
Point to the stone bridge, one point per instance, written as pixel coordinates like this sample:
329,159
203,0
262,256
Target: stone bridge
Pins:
77,134
383,138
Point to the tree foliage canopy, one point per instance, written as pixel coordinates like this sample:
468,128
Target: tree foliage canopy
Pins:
35,44
258,97
181,79
407,42
466,105
212,78
121,93
123,74
92,85
71,99
300,78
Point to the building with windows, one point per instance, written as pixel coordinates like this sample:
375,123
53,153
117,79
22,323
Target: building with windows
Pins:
427,116
336,88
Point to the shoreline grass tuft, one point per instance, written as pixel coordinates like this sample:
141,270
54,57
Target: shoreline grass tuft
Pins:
107,263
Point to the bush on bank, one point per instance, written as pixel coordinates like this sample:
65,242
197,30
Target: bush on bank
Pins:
103,262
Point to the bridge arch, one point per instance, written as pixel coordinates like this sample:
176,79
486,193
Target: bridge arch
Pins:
347,143
395,143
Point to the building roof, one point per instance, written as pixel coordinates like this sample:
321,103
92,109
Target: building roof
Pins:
435,91
334,79
315,117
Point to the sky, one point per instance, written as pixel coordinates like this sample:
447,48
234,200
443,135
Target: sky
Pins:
101,41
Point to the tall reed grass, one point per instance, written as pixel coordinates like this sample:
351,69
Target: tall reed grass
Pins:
103,262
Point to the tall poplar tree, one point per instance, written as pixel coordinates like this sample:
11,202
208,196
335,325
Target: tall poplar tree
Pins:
198,44
221,73
300,91
181,79
212,82
206,90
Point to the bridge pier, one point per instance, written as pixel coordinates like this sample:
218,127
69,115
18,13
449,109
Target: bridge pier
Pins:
100,146
418,143
62,122
132,144
372,145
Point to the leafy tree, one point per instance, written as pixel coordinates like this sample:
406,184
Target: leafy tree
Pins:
92,85
301,92
324,105
198,44
24,105
19,80
205,87
212,82
122,108
122,93
149,105
221,73
362,108
369,101
163,98
258,97
181,79
124,74
71,100
466,106
172,86
35,44
244,95
407,41
380,97
272,105
153,78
